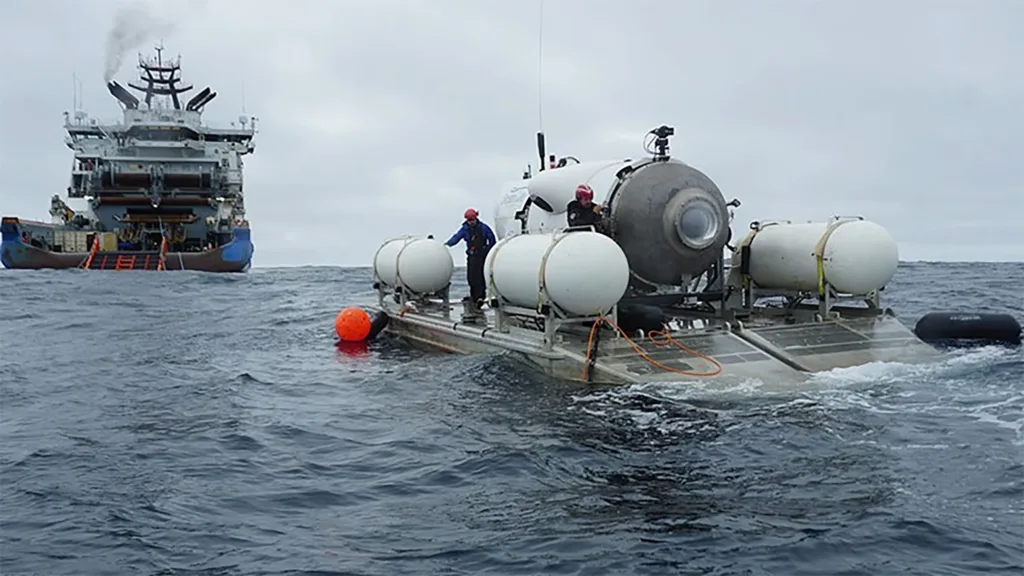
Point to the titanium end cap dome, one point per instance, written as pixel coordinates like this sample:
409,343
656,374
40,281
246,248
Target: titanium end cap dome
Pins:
697,223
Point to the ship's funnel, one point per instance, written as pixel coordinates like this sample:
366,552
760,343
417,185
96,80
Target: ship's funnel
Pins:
204,101
191,105
124,96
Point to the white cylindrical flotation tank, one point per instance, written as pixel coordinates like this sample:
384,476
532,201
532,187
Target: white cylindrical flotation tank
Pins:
385,261
418,265
858,256
583,273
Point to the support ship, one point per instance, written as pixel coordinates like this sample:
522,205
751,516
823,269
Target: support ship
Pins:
158,191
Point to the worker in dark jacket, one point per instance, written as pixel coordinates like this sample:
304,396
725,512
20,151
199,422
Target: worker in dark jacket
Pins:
479,239
583,211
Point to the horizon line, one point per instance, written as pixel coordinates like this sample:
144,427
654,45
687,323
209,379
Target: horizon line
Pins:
370,266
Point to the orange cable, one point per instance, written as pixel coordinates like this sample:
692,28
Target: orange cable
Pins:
668,339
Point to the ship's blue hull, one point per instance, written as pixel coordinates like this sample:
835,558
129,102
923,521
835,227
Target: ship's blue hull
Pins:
234,256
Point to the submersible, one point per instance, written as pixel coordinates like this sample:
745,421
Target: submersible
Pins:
647,295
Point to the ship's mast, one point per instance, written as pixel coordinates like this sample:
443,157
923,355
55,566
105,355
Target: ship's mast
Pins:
161,78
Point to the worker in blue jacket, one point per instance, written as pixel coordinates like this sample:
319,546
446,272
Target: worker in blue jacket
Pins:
479,239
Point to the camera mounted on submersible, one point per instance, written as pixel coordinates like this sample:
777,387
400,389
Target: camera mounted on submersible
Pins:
658,146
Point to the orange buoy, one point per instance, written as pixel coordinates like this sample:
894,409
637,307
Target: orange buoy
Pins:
353,325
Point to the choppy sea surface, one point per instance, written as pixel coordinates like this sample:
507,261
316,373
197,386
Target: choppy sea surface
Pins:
186,423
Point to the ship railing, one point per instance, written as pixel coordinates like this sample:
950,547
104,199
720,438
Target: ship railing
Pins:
162,264
92,252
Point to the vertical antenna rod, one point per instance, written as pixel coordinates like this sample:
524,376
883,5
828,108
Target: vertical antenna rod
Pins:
540,90
540,69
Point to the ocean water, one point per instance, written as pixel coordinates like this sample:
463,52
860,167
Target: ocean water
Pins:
179,423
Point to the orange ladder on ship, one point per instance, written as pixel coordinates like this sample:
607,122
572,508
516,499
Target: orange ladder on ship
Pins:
92,253
138,262
125,262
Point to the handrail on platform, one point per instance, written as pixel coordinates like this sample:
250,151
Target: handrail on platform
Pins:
92,252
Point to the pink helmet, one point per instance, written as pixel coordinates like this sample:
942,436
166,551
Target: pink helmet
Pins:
584,192
470,214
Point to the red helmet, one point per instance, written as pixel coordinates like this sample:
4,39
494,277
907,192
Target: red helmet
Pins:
584,192
470,214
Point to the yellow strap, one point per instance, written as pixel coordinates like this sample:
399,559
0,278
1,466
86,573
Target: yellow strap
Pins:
819,251
821,274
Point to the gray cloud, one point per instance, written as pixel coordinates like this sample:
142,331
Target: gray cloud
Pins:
389,117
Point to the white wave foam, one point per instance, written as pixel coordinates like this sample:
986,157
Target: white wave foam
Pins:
950,386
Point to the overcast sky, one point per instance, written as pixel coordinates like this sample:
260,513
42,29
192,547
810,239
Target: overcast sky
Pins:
392,116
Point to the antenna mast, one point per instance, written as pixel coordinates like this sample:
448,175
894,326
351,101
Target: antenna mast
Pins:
540,69
540,89
161,79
